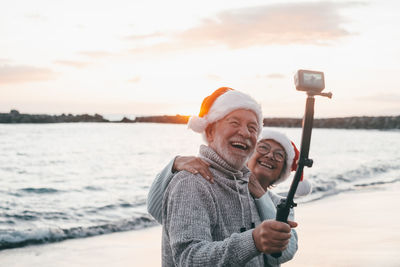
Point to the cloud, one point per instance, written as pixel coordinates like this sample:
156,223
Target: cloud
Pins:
70,63
4,60
316,23
213,77
36,17
136,37
272,76
23,74
95,54
381,97
304,23
135,79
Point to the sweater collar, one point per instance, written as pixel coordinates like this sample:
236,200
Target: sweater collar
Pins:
221,165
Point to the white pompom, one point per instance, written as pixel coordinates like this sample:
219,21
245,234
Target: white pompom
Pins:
197,124
303,189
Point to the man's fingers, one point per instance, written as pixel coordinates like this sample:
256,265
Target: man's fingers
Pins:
281,236
276,236
280,227
292,224
268,240
273,248
278,243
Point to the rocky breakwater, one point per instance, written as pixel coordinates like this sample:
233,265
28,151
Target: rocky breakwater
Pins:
381,122
15,117
177,119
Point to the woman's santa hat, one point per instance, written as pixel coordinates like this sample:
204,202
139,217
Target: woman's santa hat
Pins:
219,104
292,157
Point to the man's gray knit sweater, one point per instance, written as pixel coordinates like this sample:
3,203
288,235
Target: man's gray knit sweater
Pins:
203,221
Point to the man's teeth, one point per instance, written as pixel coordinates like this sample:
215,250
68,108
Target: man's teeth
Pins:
239,145
269,166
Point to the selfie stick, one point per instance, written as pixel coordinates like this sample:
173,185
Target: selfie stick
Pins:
283,208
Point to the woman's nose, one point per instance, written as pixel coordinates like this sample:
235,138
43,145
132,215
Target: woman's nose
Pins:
270,155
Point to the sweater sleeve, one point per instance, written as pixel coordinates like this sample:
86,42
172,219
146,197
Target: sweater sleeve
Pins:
191,216
266,206
157,189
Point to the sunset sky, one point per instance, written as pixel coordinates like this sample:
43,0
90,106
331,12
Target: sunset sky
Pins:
163,57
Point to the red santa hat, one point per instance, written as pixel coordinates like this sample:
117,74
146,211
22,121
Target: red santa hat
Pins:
219,104
292,157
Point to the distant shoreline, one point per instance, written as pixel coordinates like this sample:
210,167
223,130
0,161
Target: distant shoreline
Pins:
360,122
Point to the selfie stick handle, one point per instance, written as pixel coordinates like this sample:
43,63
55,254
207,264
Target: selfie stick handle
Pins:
283,208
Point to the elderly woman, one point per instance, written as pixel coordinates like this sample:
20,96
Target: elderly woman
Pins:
274,158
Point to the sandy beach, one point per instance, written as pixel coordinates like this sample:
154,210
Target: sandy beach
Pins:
350,229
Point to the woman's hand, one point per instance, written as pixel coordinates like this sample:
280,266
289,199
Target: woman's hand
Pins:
193,165
255,188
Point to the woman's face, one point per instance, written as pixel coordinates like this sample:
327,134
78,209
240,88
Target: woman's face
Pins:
267,162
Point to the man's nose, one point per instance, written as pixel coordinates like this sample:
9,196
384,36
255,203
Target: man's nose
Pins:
244,131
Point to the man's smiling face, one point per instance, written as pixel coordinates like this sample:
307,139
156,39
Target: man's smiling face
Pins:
234,137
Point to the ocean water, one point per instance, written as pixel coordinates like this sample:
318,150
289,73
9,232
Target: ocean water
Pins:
63,181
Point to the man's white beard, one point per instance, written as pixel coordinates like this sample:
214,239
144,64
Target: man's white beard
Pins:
236,161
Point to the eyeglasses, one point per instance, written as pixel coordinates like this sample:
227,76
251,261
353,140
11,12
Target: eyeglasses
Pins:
264,149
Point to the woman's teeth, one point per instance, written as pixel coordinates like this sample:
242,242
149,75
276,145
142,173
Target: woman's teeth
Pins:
269,166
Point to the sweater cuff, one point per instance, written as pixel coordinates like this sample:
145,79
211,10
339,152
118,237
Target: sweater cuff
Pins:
248,248
170,166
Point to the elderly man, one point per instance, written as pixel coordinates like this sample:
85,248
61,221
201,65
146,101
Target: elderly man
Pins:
212,224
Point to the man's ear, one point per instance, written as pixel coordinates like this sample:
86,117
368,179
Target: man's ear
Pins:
209,131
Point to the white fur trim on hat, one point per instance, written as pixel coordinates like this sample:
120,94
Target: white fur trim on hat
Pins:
284,141
223,105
